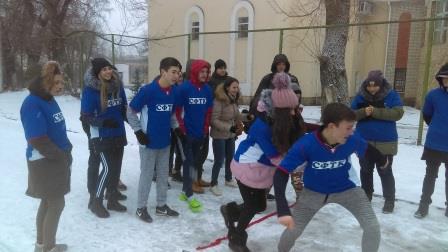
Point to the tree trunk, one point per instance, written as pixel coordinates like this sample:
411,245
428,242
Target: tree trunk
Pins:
333,74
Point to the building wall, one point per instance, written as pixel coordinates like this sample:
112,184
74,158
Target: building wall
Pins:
249,59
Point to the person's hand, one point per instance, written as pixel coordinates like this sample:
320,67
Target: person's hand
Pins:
286,221
142,138
369,110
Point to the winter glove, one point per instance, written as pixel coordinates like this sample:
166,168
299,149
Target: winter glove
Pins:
110,123
141,137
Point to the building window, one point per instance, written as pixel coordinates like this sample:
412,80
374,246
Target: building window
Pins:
243,27
195,30
441,26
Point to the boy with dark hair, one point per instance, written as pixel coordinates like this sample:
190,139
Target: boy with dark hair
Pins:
329,177
193,115
155,103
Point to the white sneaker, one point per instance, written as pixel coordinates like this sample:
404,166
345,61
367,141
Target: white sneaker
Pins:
216,191
231,183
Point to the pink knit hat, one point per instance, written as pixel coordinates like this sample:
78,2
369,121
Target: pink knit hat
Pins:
282,95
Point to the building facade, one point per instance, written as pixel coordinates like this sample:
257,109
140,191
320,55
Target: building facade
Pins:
396,49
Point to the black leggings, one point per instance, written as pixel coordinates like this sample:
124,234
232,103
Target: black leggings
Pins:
47,221
254,202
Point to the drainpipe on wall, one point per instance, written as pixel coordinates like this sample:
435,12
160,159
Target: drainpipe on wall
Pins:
387,37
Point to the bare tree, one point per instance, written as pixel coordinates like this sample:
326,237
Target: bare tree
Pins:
333,75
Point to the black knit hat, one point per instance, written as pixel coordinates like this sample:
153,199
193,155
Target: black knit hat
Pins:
98,64
220,63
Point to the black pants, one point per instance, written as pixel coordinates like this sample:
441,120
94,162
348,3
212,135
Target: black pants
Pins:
254,201
92,171
432,170
110,174
203,153
174,149
47,221
386,175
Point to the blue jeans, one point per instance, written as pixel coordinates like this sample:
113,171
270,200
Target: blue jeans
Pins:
222,149
192,150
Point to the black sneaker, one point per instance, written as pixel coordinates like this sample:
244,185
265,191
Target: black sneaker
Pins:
143,214
270,197
166,211
98,209
421,212
388,206
114,205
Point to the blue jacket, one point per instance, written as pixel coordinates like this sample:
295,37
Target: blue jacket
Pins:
378,130
156,106
436,108
92,112
43,118
326,170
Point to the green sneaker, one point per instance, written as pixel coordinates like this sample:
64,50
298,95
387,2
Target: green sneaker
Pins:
195,205
183,197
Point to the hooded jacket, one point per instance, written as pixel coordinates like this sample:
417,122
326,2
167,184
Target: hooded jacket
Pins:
435,113
195,102
266,82
49,149
91,112
380,128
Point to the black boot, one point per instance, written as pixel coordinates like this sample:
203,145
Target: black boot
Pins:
422,211
114,205
237,241
369,196
388,206
91,198
115,194
98,209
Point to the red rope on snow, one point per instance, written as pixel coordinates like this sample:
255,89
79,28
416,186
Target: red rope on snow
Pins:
223,238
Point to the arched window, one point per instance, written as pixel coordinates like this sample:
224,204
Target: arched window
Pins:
194,23
241,20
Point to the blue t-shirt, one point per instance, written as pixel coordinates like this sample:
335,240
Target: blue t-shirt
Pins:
436,107
91,106
196,102
326,170
156,106
373,129
43,118
258,146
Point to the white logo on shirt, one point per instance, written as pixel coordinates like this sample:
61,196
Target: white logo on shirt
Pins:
113,102
197,100
328,164
58,117
164,107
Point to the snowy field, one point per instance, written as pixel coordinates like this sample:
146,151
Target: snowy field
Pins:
332,229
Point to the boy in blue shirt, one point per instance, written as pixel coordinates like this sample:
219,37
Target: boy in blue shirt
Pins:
155,103
328,177
196,100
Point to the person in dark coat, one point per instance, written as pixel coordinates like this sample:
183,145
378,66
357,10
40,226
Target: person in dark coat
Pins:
219,76
435,114
48,154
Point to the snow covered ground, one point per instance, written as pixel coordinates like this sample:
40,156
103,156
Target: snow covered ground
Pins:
332,229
